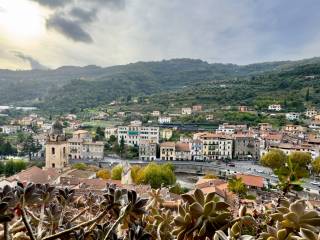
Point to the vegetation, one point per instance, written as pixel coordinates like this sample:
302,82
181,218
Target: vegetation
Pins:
316,165
11,167
104,174
236,186
44,212
80,166
182,81
116,172
289,169
157,175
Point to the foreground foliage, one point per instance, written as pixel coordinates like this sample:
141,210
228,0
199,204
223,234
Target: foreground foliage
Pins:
45,212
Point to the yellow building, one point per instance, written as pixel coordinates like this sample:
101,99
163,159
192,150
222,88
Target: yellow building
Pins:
168,151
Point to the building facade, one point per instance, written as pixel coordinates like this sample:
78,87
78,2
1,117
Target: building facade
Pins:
81,146
56,148
133,134
147,150
168,151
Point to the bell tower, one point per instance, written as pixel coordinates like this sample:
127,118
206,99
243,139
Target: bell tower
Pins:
56,148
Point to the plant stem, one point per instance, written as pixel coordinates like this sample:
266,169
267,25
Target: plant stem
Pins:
60,234
41,220
115,224
27,224
77,216
6,231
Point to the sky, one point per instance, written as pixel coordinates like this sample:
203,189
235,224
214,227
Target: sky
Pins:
41,34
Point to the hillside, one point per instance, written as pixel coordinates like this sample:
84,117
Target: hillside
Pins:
75,88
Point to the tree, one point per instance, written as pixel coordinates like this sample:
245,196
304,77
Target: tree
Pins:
121,146
136,172
274,159
14,166
80,166
30,146
99,134
236,186
104,174
289,169
316,165
307,98
157,175
116,172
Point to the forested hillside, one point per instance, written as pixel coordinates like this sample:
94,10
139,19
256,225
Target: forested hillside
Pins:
76,88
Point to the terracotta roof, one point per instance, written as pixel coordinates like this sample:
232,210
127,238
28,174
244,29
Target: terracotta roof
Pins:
251,180
35,175
167,144
182,147
201,183
81,173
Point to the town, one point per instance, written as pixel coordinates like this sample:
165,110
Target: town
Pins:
159,120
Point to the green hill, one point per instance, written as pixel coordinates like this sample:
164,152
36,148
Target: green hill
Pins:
75,88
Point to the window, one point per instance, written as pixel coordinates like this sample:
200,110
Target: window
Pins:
53,165
53,151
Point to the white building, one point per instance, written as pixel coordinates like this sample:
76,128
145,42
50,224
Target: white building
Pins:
275,107
9,129
133,134
186,111
292,116
230,128
164,119
109,131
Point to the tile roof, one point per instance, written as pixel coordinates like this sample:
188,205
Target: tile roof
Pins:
182,147
36,175
251,180
167,144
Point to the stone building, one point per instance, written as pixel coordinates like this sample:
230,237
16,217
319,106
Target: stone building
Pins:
147,150
246,147
56,148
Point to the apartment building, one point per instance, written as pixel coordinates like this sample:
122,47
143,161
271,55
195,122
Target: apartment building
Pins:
147,150
216,146
246,147
183,151
81,146
110,131
168,151
133,134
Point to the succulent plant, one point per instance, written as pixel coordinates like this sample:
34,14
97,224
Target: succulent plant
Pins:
234,233
199,217
155,198
295,216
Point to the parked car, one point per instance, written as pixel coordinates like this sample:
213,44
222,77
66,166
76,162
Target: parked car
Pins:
231,165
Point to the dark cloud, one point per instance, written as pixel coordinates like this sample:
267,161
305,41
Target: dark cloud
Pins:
69,28
82,15
53,3
34,64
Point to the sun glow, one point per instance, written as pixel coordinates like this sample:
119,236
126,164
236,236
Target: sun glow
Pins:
21,20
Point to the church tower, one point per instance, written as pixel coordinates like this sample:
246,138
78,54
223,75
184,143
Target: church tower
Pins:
56,148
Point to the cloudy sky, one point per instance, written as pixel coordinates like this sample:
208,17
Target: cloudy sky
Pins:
51,33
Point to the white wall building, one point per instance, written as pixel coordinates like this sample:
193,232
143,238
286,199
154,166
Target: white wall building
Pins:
292,116
109,131
155,113
275,107
164,119
132,134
